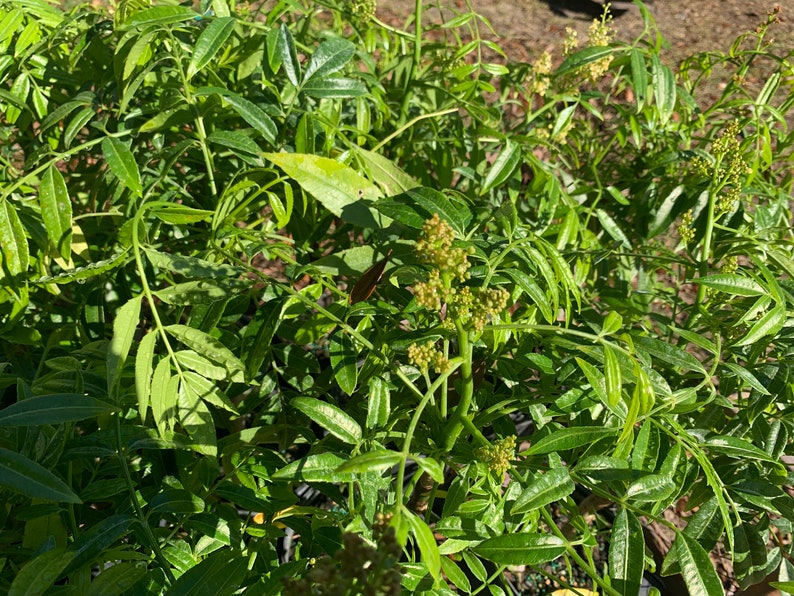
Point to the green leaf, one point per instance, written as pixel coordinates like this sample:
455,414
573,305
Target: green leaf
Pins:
745,375
122,163
378,403
612,377
612,228
666,353
731,283
544,489
163,395
503,166
144,363
696,567
204,385
192,266
626,554
191,361
220,574
344,361
329,57
56,210
315,468
20,90
372,461
247,110
27,477
664,90
196,418
413,207
38,574
243,497
334,87
212,526
385,172
10,23
769,324
749,554
705,526
117,579
336,186
140,53
208,346
532,289
425,541
56,408
569,438
521,549
209,42
266,321
737,448
643,394
124,328
76,125
433,202
160,15
330,417
454,574
433,467
595,377
234,140
201,292
13,242
653,487
639,76
582,58
82,273
664,214
613,323
177,501
475,566
289,57
97,538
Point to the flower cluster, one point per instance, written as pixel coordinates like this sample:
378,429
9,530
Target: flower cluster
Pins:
730,265
362,11
686,229
450,265
600,33
726,169
499,455
426,355
559,136
727,150
435,247
356,568
478,305
541,71
571,43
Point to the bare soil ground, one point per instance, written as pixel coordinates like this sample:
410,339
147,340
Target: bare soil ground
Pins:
524,28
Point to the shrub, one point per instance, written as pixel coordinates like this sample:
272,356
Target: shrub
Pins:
299,300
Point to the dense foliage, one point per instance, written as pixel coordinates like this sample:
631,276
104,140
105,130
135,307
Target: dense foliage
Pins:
294,300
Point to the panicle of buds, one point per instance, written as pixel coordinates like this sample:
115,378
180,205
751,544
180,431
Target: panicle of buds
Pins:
498,455
449,266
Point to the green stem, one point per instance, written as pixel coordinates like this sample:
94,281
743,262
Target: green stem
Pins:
571,551
406,451
200,129
152,539
705,254
408,125
455,424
